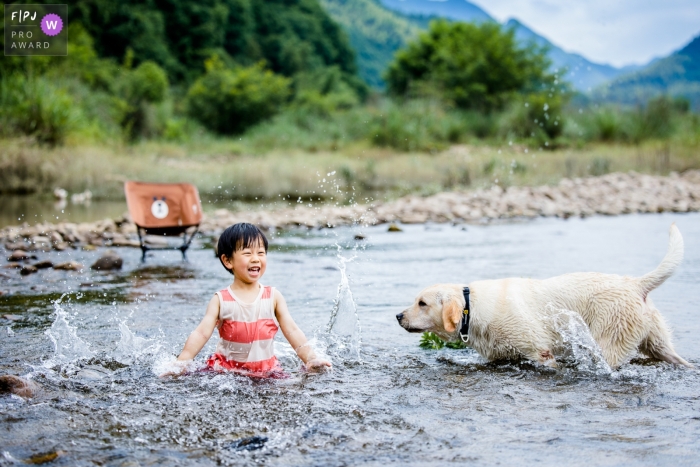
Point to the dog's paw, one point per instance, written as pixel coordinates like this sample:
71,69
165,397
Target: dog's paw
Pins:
547,359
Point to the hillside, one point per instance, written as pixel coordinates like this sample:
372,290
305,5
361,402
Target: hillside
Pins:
377,28
290,36
374,32
677,75
459,10
583,74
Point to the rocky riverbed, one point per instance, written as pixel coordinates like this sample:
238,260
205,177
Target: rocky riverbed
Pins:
612,194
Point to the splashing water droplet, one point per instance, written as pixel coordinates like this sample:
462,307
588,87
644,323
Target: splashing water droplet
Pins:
577,341
344,332
68,347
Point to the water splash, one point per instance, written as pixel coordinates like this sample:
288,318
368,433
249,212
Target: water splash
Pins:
131,347
68,347
343,329
577,341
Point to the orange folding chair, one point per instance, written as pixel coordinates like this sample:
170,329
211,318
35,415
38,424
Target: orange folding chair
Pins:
167,209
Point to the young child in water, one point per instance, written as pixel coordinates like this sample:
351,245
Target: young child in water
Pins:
247,314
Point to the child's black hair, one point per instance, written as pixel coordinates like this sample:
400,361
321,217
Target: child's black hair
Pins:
237,237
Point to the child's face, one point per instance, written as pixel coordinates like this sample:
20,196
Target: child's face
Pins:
248,264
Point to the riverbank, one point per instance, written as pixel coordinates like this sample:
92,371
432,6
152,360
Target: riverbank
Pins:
611,194
223,171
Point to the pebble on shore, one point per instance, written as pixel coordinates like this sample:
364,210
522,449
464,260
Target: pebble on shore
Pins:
611,194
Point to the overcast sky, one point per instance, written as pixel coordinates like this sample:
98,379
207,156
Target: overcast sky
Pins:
617,32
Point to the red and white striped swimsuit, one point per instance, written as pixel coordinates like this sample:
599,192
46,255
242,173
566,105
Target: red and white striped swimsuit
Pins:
247,331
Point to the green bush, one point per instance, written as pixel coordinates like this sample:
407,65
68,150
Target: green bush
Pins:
140,88
37,108
416,125
229,101
146,83
660,118
655,120
323,91
536,116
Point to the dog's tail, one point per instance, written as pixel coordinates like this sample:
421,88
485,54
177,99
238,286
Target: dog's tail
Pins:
674,256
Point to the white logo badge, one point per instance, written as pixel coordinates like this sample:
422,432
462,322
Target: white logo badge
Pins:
159,209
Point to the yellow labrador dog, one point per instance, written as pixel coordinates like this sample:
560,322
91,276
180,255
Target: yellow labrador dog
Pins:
513,318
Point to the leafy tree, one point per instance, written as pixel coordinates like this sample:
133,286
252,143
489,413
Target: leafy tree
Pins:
179,35
229,101
469,65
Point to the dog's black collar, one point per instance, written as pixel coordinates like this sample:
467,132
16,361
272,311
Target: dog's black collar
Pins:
464,328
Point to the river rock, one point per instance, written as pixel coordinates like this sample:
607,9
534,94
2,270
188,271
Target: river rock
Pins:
156,241
19,255
41,243
121,240
21,245
22,387
56,237
69,266
394,228
45,264
44,457
28,269
108,262
13,265
611,194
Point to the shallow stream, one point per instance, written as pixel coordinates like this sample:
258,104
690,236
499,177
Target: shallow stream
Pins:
96,342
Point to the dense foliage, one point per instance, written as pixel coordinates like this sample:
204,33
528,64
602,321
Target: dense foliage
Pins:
468,65
289,35
229,101
281,76
143,64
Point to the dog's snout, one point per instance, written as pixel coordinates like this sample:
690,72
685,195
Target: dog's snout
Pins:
399,316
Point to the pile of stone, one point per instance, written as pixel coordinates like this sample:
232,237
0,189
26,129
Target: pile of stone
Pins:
612,194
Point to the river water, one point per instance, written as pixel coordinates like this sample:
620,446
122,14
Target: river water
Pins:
96,342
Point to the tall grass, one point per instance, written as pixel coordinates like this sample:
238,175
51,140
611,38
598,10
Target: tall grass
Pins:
222,172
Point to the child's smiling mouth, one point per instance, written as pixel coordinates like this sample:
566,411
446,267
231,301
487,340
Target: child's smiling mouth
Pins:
254,270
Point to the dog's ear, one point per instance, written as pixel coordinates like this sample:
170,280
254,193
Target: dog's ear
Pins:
451,313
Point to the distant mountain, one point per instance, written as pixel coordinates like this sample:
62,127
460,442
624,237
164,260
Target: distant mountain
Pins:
583,74
459,10
676,75
378,28
374,32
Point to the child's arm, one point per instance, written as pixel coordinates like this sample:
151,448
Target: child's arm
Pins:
296,337
203,332
199,336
